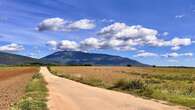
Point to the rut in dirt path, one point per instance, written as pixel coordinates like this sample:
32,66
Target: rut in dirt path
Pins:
65,94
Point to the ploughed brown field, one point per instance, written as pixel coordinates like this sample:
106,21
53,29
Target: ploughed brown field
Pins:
13,81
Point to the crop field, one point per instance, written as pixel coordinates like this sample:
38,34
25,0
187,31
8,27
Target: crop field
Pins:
173,85
13,81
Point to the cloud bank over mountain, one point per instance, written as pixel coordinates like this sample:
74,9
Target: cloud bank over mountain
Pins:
122,37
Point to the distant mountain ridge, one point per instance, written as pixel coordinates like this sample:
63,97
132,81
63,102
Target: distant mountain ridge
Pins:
69,58
78,57
13,59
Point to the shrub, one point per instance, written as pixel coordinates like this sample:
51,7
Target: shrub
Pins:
136,84
31,104
146,91
128,84
92,82
120,83
129,65
37,76
189,91
154,66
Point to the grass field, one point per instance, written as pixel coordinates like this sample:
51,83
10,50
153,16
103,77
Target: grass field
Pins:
13,81
175,85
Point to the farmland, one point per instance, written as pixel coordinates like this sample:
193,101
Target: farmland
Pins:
174,85
13,81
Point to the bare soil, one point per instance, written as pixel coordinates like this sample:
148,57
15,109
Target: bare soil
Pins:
12,84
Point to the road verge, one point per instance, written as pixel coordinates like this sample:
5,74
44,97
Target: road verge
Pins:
35,97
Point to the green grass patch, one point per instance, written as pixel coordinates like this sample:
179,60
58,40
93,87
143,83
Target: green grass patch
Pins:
167,88
35,97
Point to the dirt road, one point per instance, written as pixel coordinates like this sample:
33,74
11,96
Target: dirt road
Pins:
65,94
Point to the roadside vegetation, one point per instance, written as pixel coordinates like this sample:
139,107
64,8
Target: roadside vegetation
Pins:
35,97
175,85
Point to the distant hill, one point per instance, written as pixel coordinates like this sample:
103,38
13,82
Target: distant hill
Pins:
13,59
68,58
78,57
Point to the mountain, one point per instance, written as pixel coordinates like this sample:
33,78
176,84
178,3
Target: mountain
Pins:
78,57
69,58
13,59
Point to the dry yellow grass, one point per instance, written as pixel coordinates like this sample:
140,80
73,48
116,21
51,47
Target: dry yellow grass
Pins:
105,73
110,74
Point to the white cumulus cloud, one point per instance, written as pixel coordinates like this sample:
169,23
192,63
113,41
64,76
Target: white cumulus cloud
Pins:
59,24
181,41
123,31
120,36
91,43
52,43
174,55
179,16
165,33
175,48
176,43
82,24
138,35
64,45
146,54
13,47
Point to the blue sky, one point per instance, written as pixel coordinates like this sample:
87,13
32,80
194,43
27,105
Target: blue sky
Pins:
160,32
